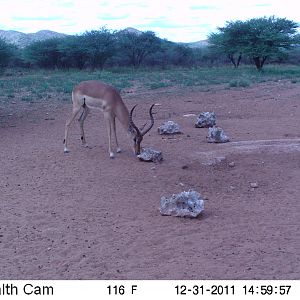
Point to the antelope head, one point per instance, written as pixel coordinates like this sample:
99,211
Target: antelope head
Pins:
138,134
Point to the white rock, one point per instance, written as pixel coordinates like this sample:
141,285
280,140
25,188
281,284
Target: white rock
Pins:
185,204
189,115
254,185
206,119
149,154
169,127
217,135
231,164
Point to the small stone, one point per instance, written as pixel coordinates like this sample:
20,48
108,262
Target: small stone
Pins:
219,159
254,185
231,164
189,115
169,127
206,119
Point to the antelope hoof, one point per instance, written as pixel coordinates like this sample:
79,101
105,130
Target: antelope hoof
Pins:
66,150
119,150
111,155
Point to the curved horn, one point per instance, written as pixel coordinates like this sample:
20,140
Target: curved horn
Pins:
152,121
131,121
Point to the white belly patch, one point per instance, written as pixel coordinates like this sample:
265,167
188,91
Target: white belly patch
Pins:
95,103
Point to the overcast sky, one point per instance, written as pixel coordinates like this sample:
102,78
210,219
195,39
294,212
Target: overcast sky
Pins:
175,20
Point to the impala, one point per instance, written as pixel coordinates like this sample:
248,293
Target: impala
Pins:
95,94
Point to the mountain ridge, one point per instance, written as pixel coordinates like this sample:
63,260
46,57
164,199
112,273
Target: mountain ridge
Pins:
21,39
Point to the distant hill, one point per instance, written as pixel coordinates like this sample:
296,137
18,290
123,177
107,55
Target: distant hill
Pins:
22,40
132,30
199,44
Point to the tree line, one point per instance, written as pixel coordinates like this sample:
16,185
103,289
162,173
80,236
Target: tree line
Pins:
101,48
252,41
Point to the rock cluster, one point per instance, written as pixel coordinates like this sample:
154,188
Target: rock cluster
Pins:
184,204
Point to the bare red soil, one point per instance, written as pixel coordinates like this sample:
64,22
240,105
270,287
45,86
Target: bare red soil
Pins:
83,215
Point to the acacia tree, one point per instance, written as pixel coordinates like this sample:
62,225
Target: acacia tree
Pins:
229,41
267,37
257,38
136,46
99,45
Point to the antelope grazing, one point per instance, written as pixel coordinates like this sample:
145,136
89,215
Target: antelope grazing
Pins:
95,94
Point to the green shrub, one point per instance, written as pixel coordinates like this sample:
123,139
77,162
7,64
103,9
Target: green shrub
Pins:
239,83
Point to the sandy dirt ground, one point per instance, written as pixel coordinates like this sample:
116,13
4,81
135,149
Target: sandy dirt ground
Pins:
84,216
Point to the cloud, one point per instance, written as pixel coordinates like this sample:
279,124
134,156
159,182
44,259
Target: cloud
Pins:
263,5
188,20
112,17
202,7
37,18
